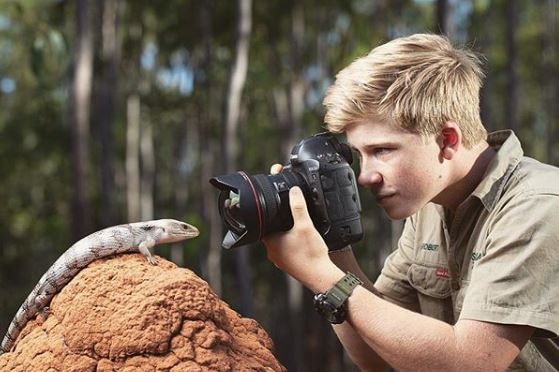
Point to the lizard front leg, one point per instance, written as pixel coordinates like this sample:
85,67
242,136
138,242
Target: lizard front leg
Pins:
144,248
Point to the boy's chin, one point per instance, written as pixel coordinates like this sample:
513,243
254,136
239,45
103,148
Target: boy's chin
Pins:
399,213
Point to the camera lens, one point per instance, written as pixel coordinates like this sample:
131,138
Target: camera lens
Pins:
254,206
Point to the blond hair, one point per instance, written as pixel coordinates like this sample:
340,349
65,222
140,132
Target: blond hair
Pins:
418,82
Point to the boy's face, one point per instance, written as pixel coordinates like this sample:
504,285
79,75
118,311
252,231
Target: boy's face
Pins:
403,170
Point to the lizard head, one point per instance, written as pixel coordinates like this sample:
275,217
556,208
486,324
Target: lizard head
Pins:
170,231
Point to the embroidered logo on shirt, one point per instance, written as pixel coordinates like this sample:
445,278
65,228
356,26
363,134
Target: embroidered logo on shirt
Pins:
476,256
442,272
429,247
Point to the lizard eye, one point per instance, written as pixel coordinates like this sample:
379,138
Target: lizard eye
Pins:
184,226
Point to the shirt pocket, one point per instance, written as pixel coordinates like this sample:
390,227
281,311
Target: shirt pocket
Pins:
434,291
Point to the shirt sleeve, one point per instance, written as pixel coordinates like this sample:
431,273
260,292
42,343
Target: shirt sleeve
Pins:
516,280
393,279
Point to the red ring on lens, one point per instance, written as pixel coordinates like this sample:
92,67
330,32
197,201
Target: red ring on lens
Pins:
257,200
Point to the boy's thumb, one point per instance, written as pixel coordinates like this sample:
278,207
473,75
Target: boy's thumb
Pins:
298,204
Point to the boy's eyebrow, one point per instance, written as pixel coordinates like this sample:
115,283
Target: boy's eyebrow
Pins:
376,145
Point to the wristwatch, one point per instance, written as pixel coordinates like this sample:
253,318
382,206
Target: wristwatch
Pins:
332,303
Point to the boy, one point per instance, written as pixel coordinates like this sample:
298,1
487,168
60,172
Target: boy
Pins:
474,283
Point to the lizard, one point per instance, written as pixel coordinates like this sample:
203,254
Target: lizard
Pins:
132,237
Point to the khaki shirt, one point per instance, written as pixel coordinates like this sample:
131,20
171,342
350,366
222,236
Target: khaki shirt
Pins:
499,260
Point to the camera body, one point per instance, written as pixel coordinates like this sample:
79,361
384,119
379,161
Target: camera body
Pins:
255,206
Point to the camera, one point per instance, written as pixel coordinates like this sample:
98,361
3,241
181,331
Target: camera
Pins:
252,207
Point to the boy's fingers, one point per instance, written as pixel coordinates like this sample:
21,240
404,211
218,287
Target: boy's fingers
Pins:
276,168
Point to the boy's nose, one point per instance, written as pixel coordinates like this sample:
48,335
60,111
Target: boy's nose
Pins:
370,177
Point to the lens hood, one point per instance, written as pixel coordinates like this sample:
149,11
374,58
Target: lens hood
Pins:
245,225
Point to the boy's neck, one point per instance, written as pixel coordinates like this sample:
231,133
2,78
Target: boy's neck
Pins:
468,175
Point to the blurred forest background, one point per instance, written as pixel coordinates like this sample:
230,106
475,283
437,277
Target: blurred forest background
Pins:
119,110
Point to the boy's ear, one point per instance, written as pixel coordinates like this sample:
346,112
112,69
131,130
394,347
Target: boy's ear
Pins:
450,139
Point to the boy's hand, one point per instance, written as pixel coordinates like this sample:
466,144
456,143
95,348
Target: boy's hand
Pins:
301,251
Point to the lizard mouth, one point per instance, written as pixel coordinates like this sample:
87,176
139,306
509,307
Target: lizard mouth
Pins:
192,234
191,231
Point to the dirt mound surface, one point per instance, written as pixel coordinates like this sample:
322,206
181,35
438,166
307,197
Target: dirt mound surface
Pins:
123,314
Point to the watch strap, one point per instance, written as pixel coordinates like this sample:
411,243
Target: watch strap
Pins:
340,292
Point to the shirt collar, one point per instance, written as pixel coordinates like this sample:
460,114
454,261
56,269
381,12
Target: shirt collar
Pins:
509,154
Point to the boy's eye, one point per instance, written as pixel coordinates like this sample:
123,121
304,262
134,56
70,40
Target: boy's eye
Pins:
382,150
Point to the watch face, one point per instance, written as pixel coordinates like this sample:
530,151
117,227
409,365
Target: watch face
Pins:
328,310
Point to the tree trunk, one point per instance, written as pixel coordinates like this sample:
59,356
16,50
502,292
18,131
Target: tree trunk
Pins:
80,109
511,106
211,262
107,97
237,81
212,269
147,170
230,145
132,158
550,77
442,25
186,158
296,109
297,81
478,30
